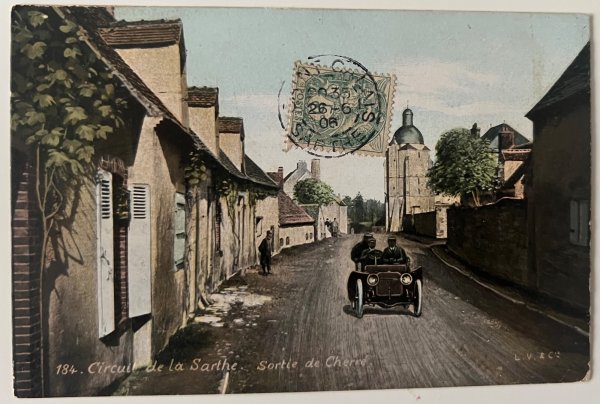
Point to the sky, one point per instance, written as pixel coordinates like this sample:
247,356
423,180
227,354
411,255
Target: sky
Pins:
452,69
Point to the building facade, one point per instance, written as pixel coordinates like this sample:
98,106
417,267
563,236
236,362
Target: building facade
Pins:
406,164
142,245
559,199
335,210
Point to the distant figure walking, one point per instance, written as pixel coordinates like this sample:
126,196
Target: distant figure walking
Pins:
334,228
265,254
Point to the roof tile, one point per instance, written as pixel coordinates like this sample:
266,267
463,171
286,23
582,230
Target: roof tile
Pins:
290,213
203,97
575,80
136,33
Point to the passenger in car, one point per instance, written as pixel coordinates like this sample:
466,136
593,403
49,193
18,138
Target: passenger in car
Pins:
393,254
359,247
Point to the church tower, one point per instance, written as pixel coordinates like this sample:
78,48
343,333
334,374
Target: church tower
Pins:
406,164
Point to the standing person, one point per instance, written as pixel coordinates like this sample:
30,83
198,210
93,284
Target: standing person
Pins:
359,247
334,227
265,254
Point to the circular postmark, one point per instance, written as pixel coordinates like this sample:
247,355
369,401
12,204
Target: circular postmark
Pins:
337,108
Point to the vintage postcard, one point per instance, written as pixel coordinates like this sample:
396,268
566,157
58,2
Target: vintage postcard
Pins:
271,200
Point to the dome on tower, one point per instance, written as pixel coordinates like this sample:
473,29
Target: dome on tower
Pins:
407,133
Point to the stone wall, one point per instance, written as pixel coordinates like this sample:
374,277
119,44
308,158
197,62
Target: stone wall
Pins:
492,238
268,208
425,224
561,177
297,235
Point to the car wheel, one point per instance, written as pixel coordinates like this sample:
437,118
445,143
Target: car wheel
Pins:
358,299
418,298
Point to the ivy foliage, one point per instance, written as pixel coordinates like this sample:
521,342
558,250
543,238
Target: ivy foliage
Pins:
313,191
63,98
194,169
464,165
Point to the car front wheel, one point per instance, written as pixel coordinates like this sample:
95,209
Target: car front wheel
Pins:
418,298
358,299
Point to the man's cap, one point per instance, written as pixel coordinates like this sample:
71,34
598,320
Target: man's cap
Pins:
368,235
391,237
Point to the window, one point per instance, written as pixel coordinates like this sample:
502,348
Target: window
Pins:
281,241
579,219
179,244
287,241
307,236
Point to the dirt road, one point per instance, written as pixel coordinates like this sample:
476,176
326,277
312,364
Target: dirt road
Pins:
306,337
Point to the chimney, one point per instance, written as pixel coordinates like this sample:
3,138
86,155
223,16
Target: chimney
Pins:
506,138
231,139
203,111
280,177
475,131
301,166
315,168
277,177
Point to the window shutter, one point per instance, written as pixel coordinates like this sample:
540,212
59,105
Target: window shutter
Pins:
105,258
138,252
179,245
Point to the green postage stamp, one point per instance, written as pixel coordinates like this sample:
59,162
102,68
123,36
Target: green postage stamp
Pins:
339,109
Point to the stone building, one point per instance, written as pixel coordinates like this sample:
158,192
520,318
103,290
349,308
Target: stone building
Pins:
512,151
406,165
131,273
335,210
294,225
559,199
301,173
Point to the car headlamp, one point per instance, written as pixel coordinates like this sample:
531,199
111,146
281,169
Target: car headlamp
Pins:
372,280
406,279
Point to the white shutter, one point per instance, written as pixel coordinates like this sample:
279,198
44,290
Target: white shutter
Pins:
179,242
138,252
105,264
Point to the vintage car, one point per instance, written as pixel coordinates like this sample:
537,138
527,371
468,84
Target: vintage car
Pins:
385,285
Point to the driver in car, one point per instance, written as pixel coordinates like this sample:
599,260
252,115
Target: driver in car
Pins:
366,258
393,254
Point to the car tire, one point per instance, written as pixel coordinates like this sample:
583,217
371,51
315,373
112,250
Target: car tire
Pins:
418,298
358,299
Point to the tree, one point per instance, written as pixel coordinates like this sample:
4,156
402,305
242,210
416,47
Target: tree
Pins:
359,208
312,190
63,100
464,166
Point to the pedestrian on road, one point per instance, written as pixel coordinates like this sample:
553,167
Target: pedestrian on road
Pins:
265,254
359,247
334,227
393,254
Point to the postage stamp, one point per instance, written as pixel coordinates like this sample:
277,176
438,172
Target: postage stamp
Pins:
342,108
